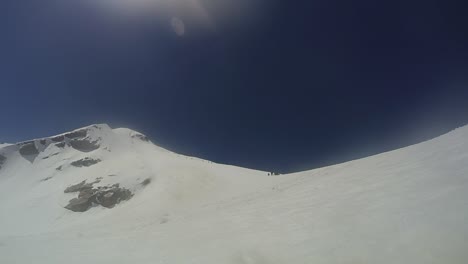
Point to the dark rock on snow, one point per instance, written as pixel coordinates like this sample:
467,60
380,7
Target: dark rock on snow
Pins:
84,145
58,138
79,187
2,160
86,162
55,154
46,179
79,204
107,196
28,148
141,137
77,134
60,145
146,182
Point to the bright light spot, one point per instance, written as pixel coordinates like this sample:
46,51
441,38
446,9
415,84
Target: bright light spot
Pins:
178,26
210,14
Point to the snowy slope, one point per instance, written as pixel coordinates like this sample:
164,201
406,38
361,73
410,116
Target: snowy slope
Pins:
405,206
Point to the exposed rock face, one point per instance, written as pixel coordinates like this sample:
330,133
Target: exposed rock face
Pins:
107,196
55,154
82,140
2,160
58,138
80,204
79,187
72,135
60,145
146,182
77,134
86,162
141,137
46,179
28,148
84,145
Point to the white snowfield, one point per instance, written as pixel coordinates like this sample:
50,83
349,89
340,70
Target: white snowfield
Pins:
405,206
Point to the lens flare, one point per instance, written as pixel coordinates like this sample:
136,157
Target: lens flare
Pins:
184,14
178,26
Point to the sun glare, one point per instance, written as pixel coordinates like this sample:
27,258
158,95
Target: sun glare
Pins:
184,14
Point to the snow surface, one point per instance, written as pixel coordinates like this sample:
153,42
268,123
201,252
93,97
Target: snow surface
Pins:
405,206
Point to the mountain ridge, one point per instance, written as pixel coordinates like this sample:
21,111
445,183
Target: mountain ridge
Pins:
407,206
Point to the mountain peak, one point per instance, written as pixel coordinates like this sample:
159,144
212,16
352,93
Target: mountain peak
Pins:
129,188
67,156
85,139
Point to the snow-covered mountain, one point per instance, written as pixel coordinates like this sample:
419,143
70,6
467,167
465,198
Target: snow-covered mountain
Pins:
102,195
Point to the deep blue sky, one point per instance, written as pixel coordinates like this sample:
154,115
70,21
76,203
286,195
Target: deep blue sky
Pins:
309,83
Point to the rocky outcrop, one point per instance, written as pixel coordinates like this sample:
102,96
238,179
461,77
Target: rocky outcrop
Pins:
146,182
86,162
80,204
58,138
60,145
71,135
110,197
51,155
77,134
84,145
2,160
28,148
140,137
46,179
79,187
106,196
81,139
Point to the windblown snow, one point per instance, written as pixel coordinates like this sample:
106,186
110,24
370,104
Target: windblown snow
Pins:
102,195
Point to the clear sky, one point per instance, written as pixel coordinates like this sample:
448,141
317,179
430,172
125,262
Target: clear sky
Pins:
296,85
